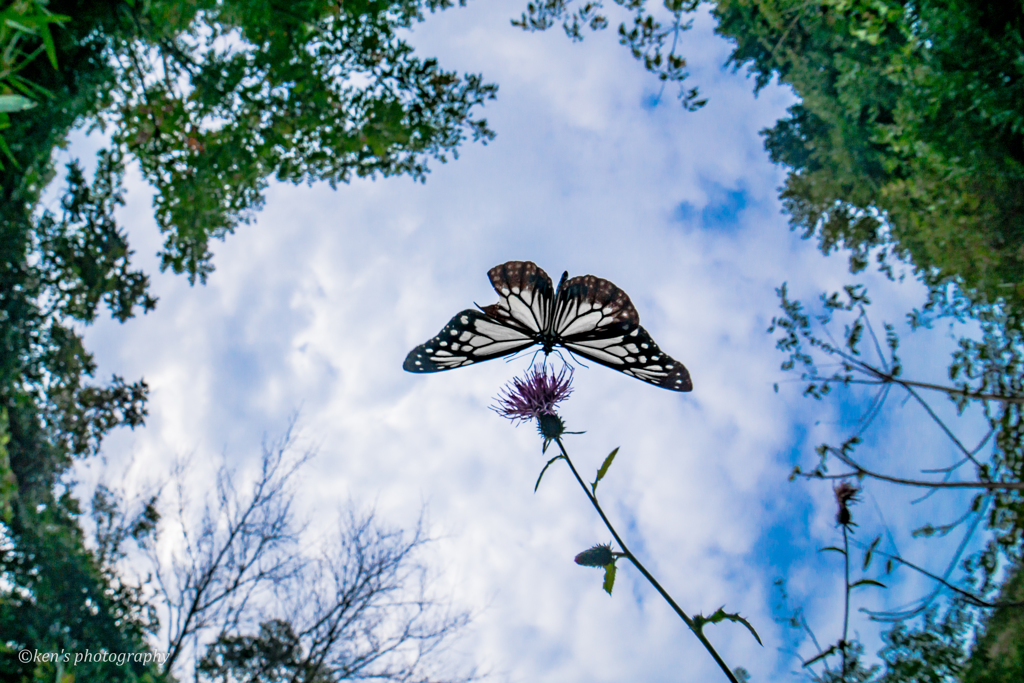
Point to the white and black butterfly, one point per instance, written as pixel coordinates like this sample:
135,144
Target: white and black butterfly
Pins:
587,315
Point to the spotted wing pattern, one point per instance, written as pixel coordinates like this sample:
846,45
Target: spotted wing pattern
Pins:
469,337
525,296
587,315
588,307
635,353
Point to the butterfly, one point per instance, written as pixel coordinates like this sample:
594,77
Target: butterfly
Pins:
588,316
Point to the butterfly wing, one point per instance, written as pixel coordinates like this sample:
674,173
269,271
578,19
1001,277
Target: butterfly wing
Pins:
588,307
525,296
587,315
596,319
469,337
635,354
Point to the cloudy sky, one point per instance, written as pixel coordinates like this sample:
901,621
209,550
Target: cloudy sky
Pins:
313,308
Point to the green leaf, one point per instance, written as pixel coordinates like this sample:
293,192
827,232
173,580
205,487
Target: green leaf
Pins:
604,469
537,485
51,50
870,551
7,152
720,616
44,21
833,548
867,582
609,578
27,88
15,103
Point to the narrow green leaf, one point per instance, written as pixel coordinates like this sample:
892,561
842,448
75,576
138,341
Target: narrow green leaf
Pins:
15,103
51,50
870,551
32,91
543,471
867,582
17,25
833,548
722,615
7,151
609,578
604,469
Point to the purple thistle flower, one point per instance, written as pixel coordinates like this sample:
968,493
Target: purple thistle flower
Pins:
534,396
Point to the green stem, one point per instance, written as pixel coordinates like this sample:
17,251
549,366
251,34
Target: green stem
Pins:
846,606
643,570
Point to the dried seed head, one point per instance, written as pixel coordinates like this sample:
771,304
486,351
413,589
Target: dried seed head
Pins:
846,495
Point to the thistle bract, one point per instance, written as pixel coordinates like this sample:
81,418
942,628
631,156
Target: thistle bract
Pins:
598,556
550,426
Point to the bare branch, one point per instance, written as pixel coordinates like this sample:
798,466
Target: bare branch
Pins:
861,471
970,597
885,378
246,543
358,611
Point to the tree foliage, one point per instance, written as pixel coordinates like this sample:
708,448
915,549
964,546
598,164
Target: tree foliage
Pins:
211,100
986,378
907,146
908,139
24,34
56,594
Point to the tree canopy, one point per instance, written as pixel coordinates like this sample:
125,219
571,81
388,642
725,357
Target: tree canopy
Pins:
906,147
909,136
907,144
211,99
908,139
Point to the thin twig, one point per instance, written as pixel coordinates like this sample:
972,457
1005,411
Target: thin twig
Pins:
972,598
861,471
886,378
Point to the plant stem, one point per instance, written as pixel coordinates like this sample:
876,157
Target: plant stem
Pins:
643,570
846,605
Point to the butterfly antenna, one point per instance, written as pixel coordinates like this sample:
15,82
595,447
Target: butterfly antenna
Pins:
534,359
581,363
519,354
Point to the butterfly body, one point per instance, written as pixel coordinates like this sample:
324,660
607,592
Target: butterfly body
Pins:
588,316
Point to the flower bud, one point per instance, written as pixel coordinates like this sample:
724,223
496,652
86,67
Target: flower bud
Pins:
550,426
598,556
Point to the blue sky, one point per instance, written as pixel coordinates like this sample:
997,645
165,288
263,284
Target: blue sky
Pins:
314,306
